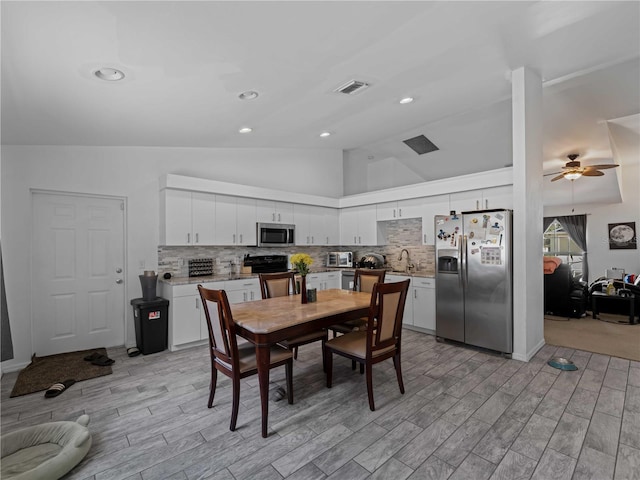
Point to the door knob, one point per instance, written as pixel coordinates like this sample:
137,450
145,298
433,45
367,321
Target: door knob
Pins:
119,281
118,270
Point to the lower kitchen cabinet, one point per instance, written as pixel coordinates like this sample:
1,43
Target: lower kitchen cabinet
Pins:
187,321
323,280
420,308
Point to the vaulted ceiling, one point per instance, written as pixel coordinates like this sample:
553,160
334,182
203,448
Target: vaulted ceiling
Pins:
187,62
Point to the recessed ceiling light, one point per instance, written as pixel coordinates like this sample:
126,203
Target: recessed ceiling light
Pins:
325,134
248,95
109,74
246,130
406,100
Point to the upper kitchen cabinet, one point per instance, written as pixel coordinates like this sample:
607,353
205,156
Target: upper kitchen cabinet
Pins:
436,205
274,212
399,210
316,225
358,226
187,218
235,220
489,198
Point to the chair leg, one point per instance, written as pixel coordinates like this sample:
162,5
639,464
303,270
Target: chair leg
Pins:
324,361
361,368
212,386
235,402
396,363
329,363
288,368
369,368
353,364
295,353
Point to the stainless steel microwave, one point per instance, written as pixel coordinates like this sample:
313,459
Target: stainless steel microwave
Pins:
276,235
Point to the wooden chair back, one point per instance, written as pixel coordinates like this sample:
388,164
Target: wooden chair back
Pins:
385,315
277,284
364,279
222,332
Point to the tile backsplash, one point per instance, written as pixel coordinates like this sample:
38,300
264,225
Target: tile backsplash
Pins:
400,234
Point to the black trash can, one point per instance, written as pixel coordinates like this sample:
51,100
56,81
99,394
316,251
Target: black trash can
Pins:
151,321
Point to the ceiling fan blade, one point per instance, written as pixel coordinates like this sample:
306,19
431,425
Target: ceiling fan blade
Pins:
558,177
603,166
552,173
592,173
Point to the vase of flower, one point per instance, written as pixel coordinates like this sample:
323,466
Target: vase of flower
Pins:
303,288
301,262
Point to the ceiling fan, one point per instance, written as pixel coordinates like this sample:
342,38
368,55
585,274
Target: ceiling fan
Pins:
572,169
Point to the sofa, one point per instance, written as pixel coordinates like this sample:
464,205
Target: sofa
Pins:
564,296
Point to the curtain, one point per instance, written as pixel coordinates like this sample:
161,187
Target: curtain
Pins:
576,227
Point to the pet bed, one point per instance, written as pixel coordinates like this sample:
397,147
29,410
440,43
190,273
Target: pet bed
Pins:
45,452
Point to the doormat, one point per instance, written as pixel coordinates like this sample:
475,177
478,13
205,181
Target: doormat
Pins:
43,372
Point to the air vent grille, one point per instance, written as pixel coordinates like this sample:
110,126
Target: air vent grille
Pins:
352,87
421,145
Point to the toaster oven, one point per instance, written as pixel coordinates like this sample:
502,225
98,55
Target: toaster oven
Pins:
340,259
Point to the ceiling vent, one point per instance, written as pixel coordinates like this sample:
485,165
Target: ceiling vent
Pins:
352,87
421,144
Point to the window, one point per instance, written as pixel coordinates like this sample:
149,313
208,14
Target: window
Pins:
558,243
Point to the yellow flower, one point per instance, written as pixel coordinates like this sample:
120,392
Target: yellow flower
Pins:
301,261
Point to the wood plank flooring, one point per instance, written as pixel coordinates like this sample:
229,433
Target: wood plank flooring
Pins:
466,414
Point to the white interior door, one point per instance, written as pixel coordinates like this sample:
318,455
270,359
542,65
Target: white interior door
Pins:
77,273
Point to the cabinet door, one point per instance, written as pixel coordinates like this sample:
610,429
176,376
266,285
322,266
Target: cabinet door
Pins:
466,201
225,232
301,219
331,233
411,208
177,217
316,232
203,214
349,226
498,197
436,205
185,320
424,304
265,211
387,211
246,221
284,212
332,280
314,280
367,226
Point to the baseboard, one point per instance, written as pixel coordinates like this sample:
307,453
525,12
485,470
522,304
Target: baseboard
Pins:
14,367
530,354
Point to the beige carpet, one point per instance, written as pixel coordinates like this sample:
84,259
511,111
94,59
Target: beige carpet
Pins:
606,337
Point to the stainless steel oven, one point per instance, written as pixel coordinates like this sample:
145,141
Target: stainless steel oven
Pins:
276,235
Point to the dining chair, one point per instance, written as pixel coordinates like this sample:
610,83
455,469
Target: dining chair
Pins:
381,339
236,359
279,285
363,281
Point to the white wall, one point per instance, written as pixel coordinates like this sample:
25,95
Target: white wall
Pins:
133,173
600,257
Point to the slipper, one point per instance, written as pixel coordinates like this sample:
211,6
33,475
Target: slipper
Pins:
92,357
102,361
57,388
133,351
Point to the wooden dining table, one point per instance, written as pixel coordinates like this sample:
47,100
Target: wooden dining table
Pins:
269,321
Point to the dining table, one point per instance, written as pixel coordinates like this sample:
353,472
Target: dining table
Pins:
269,321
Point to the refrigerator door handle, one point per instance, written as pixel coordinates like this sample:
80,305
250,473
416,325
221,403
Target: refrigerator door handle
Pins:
465,266
460,261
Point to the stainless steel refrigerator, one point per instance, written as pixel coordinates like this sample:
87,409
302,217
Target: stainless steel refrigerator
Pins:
474,280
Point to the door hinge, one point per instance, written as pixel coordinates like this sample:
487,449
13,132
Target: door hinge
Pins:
122,206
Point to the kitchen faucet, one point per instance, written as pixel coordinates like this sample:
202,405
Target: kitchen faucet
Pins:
409,264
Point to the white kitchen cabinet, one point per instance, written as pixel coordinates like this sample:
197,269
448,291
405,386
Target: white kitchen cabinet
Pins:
187,218
239,291
187,322
423,293
358,226
407,317
235,220
274,212
485,199
316,225
399,210
323,280
436,205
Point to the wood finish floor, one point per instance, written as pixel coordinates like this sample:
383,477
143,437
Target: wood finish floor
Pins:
466,414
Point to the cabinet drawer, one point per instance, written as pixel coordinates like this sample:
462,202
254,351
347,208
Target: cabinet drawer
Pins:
242,284
424,282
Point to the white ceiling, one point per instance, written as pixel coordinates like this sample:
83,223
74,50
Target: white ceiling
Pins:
186,63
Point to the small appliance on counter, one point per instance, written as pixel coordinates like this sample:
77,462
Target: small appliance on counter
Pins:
267,263
372,260
340,259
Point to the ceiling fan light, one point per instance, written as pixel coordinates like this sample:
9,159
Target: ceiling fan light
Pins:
572,175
